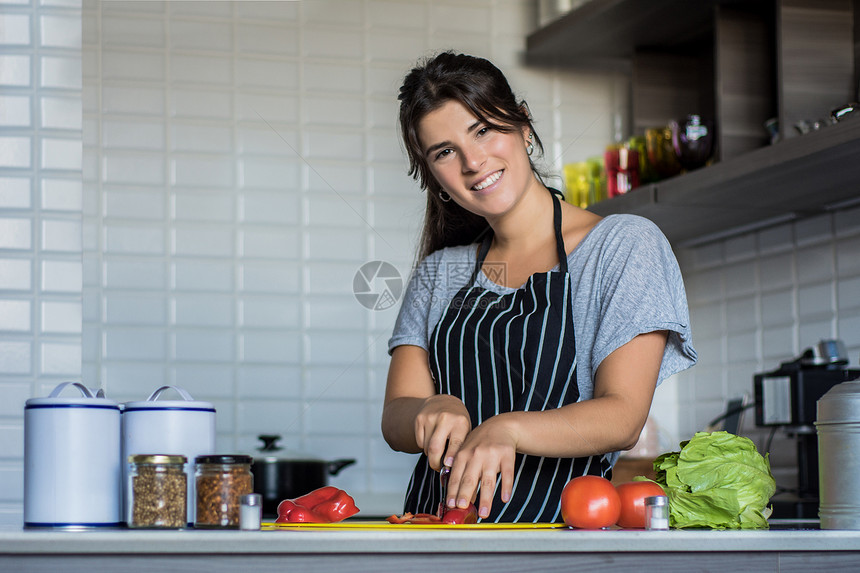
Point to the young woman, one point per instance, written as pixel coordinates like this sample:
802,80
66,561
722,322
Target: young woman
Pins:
532,333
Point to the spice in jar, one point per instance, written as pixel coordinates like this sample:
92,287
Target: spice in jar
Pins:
158,491
221,482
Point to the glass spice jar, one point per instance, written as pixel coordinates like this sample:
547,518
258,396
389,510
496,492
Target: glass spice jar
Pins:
158,491
221,481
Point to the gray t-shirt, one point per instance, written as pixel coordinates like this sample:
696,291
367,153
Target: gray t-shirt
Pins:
624,279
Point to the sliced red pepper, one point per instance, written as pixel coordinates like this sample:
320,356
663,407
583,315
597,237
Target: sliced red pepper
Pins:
324,505
398,519
452,517
425,518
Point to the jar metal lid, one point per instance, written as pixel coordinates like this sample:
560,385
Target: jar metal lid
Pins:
224,459
657,500
156,459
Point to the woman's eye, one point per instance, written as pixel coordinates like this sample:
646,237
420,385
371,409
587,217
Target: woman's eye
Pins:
483,131
443,153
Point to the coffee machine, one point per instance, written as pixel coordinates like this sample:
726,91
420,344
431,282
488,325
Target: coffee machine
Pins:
785,399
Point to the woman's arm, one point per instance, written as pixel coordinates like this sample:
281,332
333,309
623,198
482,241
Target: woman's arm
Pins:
414,417
612,420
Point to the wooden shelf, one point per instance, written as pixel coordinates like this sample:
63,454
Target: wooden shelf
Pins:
607,30
795,178
742,62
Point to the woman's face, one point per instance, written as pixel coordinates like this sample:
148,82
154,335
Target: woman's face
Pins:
485,171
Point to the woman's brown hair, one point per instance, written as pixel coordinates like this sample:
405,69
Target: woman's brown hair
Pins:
483,89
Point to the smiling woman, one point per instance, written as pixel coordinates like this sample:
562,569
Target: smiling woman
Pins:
484,170
521,382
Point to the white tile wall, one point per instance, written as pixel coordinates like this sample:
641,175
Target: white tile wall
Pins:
40,217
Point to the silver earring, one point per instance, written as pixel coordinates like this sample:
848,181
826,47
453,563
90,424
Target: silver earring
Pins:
530,148
444,196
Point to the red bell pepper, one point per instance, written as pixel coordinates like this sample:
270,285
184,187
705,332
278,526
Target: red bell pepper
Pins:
458,515
324,505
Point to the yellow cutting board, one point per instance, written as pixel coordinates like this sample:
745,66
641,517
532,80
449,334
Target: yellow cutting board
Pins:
384,525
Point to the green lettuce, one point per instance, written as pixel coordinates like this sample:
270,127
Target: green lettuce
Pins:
717,480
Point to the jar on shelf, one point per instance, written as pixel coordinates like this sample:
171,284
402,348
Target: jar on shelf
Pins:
221,481
158,487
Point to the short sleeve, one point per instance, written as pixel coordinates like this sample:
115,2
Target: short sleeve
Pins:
414,315
641,290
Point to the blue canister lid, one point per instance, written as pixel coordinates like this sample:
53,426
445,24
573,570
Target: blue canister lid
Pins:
88,399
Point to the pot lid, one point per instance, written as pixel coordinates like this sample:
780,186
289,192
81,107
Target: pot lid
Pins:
272,452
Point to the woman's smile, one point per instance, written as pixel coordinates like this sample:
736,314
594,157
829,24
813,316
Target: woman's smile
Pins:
488,181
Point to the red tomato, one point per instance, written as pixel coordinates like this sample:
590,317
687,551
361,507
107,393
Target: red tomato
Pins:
590,502
633,494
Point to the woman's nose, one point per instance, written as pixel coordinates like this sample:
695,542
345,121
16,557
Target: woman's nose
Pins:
473,158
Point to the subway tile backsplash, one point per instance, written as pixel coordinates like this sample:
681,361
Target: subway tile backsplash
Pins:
783,290
187,190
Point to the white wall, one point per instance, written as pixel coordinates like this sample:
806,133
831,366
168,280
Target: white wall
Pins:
40,217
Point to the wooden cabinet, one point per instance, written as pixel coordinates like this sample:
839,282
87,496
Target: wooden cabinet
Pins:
740,63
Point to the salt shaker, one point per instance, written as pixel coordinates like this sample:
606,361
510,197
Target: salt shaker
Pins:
657,512
250,511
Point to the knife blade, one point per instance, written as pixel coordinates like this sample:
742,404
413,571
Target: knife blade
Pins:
443,482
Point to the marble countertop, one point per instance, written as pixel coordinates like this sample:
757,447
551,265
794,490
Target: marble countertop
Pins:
400,539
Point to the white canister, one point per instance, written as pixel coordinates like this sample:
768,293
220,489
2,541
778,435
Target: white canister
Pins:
183,427
72,468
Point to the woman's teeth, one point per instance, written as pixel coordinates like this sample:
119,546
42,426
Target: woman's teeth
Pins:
488,181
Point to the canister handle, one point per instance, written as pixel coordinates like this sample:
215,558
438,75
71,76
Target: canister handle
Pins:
181,391
85,392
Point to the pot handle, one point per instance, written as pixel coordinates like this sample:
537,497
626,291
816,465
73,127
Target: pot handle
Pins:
181,391
335,466
269,442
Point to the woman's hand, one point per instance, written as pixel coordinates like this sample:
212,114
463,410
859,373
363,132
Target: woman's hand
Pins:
415,418
441,426
489,450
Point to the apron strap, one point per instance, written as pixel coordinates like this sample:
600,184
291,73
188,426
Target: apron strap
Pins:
559,241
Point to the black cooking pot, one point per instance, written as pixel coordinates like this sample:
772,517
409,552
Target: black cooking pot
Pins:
277,479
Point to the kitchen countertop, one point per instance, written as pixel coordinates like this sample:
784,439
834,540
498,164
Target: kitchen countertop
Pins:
383,550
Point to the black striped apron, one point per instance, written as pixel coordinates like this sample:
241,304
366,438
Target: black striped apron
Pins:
503,353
